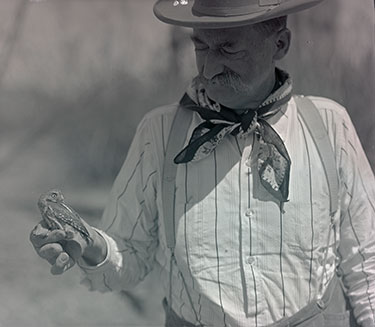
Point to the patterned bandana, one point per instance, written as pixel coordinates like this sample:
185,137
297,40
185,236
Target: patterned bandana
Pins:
273,162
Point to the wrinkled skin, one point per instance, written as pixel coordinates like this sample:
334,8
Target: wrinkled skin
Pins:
237,65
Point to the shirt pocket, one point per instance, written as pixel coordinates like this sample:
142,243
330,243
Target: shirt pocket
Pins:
300,228
306,226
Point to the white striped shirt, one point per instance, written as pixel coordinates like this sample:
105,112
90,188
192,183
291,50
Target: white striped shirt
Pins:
245,262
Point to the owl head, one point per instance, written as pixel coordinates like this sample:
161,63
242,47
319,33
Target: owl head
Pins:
54,196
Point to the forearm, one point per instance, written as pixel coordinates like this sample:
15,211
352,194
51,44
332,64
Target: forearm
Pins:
97,251
129,221
357,225
359,279
123,266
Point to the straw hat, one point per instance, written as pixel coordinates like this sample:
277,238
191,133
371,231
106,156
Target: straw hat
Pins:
225,13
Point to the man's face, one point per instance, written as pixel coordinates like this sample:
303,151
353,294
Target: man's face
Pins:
235,65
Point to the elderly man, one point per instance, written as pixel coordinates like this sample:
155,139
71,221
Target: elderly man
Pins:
256,212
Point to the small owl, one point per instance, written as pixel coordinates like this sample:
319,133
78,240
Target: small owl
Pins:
58,215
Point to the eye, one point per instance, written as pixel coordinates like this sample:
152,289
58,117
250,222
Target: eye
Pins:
228,51
54,195
233,54
200,49
229,48
200,46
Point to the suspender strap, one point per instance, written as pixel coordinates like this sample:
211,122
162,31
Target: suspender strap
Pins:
318,131
175,143
177,136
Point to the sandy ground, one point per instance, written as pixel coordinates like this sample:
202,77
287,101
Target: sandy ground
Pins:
29,294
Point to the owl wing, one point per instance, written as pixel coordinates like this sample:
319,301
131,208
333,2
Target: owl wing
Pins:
68,216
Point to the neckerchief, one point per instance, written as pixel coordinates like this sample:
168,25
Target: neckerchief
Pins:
273,161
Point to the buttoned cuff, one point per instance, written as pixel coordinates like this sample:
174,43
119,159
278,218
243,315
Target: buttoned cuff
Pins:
110,259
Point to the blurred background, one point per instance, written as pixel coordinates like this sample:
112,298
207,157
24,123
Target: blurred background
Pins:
76,77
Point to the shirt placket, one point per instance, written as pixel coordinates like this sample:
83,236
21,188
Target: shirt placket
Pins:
248,224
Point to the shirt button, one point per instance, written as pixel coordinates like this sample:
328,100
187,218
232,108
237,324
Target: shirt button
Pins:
249,213
321,304
248,162
250,260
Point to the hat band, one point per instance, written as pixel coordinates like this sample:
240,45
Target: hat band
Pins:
227,8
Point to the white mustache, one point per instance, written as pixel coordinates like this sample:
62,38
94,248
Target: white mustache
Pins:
230,79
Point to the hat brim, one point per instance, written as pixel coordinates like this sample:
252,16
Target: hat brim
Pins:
183,15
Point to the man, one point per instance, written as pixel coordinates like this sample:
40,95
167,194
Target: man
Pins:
256,241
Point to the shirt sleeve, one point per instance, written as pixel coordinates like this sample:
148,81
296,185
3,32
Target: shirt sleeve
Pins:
357,230
129,224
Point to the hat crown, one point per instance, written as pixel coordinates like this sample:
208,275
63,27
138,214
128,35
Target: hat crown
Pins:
231,7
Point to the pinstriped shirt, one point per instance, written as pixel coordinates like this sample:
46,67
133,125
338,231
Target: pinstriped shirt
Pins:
241,258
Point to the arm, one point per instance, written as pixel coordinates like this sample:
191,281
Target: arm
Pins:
129,225
357,245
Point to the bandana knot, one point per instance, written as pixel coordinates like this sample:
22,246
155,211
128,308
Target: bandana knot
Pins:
273,162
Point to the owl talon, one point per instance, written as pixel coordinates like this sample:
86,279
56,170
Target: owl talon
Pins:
69,234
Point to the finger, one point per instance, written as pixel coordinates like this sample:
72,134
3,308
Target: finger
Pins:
56,235
50,252
40,236
74,249
62,264
37,234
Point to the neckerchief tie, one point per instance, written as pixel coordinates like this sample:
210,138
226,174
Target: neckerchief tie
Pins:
273,162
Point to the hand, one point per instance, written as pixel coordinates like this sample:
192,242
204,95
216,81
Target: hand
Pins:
62,250
49,245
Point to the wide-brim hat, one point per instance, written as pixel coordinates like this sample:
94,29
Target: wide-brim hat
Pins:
225,13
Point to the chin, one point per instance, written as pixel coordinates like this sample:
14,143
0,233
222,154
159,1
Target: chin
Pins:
220,94
232,99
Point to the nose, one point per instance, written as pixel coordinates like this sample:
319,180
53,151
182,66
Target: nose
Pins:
212,65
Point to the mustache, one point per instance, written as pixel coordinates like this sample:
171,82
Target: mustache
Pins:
227,79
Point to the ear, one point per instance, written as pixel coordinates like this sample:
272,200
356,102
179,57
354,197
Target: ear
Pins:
282,43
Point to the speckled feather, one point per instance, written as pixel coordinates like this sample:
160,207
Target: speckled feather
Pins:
57,214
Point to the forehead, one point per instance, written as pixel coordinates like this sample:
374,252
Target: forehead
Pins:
221,35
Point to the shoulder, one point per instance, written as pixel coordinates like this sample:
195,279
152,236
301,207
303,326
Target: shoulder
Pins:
162,111
157,119
329,106
331,111
336,120
154,128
